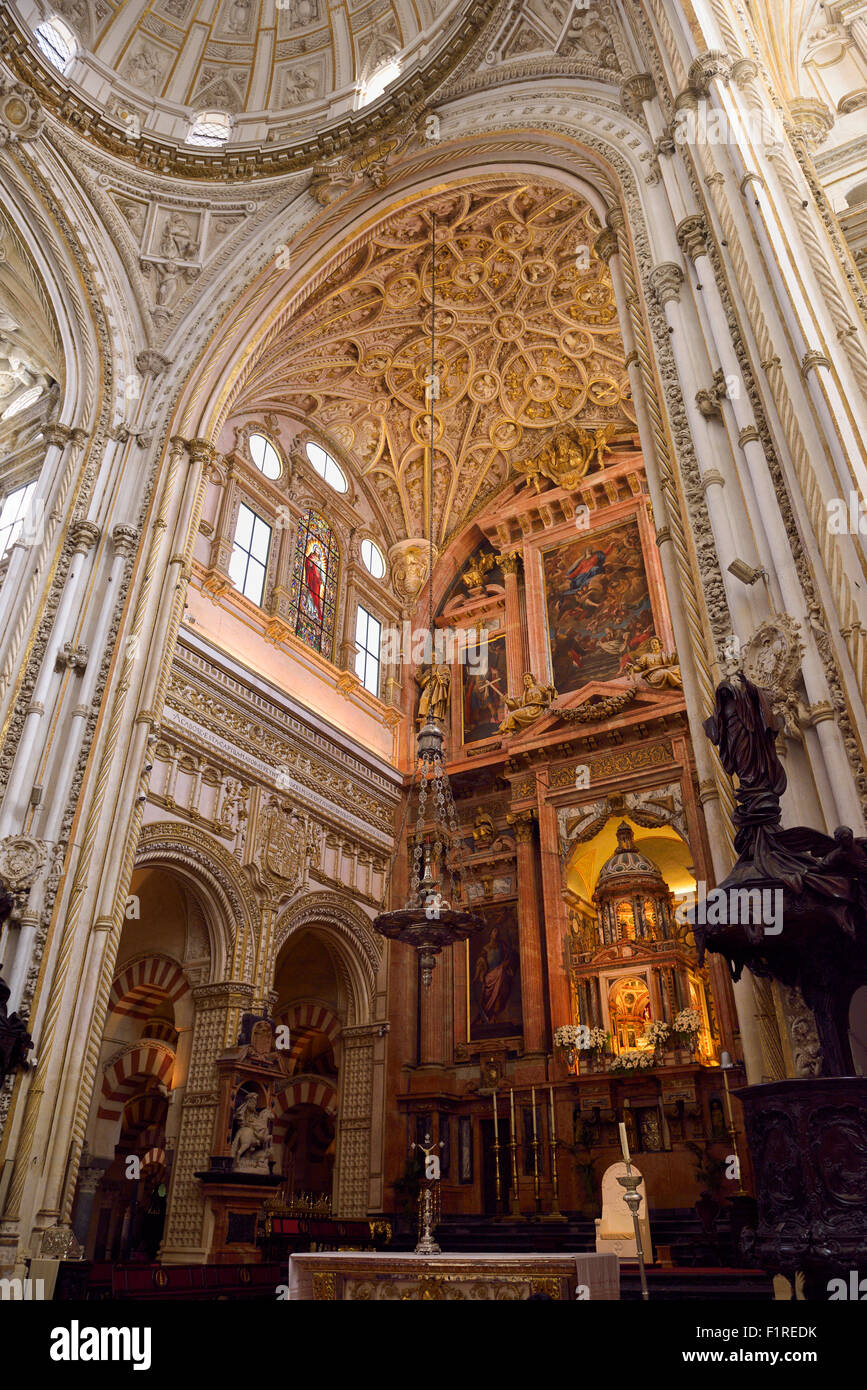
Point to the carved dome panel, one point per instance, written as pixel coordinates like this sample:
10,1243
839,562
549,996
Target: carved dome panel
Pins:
283,69
527,344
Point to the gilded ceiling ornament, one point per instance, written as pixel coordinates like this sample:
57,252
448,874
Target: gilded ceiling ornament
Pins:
527,341
567,460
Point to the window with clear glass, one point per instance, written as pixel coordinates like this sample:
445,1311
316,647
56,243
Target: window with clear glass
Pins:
313,585
249,562
373,559
13,514
57,42
327,468
368,633
382,78
264,455
22,402
210,128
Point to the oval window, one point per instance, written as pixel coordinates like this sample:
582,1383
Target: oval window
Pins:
265,456
57,42
373,559
327,468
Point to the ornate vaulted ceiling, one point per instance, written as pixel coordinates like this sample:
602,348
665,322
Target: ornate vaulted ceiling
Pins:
30,352
284,69
528,344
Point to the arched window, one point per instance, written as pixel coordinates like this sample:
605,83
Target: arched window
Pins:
313,591
56,41
327,468
378,81
210,128
264,455
372,558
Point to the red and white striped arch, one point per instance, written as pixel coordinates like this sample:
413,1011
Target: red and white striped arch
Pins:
141,987
307,1090
304,1019
144,1059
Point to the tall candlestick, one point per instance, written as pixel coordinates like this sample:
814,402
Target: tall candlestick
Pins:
537,1190
513,1145
624,1144
555,1177
498,1183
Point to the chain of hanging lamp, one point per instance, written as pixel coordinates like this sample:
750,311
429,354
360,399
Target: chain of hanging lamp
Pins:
429,920
442,851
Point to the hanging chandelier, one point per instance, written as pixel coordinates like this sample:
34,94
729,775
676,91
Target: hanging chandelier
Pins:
434,914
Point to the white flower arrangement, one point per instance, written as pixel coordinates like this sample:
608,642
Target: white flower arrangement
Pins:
687,1022
568,1035
631,1061
597,1040
656,1033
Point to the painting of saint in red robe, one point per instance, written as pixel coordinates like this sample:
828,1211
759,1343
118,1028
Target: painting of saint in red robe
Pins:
494,978
315,565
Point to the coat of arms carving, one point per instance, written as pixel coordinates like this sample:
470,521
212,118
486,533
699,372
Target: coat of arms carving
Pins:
290,845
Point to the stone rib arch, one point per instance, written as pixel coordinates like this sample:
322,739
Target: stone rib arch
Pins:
347,933
215,875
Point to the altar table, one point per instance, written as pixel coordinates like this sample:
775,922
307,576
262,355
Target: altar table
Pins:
338,1275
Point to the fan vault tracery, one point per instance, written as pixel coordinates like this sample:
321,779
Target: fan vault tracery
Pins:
527,343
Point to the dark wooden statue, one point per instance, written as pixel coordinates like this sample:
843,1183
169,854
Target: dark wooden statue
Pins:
807,1135
818,940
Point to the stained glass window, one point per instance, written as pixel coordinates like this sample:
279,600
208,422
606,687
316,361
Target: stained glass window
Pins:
314,583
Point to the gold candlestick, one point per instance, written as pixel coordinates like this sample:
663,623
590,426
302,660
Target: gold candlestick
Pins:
515,1201
555,1180
497,1183
537,1190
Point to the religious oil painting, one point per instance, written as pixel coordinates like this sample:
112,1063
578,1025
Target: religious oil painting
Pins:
484,695
598,604
494,975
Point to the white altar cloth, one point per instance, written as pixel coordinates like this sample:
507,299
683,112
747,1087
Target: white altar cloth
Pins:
374,1275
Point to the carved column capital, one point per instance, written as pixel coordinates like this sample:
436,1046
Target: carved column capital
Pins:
706,68
813,359
665,281
522,824
201,451
692,236
151,363
125,540
510,562
84,536
748,435
635,90
606,244
58,435
743,71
